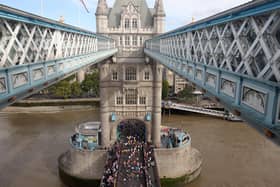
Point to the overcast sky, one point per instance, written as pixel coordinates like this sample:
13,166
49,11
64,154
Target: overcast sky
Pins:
179,12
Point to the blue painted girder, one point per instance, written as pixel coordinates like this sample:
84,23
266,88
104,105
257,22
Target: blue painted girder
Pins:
252,8
62,68
26,17
262,121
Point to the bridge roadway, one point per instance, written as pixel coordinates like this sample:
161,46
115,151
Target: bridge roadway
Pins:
132,164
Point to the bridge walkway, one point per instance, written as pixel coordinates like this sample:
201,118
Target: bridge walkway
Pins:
37,52
130,171
131,163
240,70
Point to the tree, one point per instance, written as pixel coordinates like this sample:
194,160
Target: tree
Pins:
91,84
95,86
186,94
63,89
87,84
165,89
76,89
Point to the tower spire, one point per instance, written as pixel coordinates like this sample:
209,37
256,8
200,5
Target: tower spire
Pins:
156,3
159,8
102,8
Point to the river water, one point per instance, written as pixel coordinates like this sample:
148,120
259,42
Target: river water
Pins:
234,154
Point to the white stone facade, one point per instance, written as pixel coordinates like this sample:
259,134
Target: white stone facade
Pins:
130,85
179,83
175,82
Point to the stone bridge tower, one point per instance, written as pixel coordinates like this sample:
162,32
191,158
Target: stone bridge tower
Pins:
130,84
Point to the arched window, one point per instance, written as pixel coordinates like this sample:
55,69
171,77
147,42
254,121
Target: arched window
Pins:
140,40
147,76
134,23
119,100
126,23
127,40
134,40
114,76
121,41
130,74
142,100
131,97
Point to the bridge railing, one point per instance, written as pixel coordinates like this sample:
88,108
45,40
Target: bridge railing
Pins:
36,52
27,38
234,55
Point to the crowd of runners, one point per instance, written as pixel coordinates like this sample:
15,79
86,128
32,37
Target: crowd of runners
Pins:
129,163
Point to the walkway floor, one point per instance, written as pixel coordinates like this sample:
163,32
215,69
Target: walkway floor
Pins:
131,164
130,172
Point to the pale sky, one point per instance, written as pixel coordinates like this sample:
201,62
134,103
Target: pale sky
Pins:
178,12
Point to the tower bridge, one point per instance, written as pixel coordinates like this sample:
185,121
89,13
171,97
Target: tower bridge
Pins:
233,56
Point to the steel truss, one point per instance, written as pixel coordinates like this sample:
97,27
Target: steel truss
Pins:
36,52
234,55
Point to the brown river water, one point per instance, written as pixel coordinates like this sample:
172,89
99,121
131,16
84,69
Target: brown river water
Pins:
235,155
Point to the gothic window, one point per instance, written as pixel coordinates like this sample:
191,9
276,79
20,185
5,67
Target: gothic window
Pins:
130,74
134,23
119,100
147,76
134,40
141,40
142,100
121,41
127,40
115,76
131,97
126,23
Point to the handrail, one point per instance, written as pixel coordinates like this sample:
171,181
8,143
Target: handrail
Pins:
26,17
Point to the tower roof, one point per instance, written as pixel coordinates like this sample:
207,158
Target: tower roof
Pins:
102,8
141,5
159,8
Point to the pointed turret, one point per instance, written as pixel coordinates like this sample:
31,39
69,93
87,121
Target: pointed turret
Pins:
156,3
159,8
102,8
102,16
159,17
